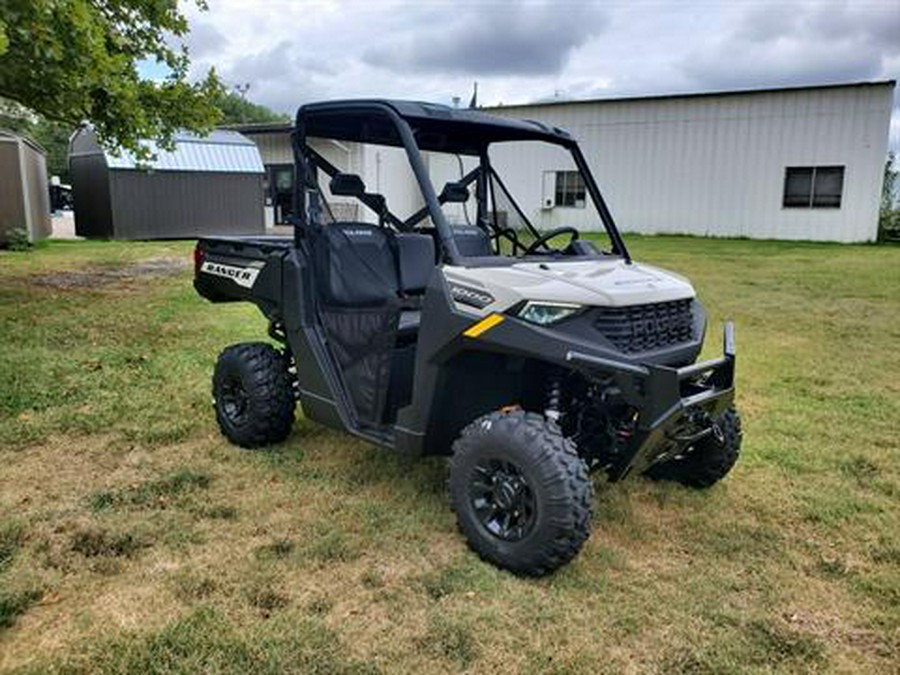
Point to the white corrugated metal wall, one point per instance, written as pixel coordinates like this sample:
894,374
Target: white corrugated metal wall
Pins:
715,164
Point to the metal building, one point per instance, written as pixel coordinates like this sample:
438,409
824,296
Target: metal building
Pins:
791,163
24,196
206,185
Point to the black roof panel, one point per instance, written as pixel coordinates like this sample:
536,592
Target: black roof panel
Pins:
436,127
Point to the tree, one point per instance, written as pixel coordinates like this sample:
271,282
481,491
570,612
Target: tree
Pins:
73,61
889,215
238,110
889,186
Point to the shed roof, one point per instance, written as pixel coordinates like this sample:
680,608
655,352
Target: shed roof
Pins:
220,151
7,135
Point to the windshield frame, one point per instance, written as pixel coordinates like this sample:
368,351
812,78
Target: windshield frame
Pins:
406,132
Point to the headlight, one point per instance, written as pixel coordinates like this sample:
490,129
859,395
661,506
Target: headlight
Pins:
546,313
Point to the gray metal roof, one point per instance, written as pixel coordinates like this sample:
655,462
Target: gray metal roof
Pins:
221,151
690,95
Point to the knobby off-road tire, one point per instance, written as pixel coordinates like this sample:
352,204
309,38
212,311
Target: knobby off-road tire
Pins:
253,395
541,478
711,459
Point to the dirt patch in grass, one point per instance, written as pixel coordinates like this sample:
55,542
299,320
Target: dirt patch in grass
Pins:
100,276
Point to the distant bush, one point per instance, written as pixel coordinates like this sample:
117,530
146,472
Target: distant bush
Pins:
889,213
889,225
17,240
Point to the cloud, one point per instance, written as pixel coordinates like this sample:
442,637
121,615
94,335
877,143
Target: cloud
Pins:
787,44
527,50
205,40
516,38
281,76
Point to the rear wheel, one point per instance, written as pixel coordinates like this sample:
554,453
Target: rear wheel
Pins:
521,493
711,458
253,395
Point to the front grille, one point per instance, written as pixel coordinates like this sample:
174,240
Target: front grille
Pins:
643,328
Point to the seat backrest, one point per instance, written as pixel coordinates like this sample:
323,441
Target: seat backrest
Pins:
471,241
416,259
355,265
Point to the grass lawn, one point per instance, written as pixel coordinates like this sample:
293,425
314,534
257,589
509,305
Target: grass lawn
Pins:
134,538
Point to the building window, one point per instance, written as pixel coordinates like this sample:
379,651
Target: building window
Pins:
281,190
817,187
569,189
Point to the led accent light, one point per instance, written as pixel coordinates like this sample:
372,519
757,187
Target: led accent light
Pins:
547,313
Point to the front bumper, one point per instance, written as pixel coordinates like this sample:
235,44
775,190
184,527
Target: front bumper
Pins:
673,404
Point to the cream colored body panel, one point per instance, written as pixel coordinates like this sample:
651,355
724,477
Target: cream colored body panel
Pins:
597,283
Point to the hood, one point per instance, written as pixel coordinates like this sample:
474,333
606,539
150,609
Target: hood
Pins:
601,283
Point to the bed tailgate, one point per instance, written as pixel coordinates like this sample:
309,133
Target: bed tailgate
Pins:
231,269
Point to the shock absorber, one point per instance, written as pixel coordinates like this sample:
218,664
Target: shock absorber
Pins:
553,406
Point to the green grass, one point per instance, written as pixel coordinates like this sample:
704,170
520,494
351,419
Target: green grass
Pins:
133,537
151,493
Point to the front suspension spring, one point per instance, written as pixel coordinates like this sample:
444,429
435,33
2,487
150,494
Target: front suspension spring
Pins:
554,397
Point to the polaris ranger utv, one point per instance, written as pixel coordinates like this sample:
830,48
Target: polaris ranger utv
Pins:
459,328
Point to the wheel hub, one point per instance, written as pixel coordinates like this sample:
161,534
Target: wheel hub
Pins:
235,400
502,499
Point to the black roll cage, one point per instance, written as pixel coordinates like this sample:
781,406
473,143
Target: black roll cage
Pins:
307,160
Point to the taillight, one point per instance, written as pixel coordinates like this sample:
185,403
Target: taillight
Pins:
198,259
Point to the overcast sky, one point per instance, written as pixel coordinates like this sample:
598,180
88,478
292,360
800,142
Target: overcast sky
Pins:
292,52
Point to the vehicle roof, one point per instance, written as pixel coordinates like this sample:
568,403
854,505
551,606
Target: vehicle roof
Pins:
438,128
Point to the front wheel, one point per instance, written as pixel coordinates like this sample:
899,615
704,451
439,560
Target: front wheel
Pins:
253,395
521,493
709,460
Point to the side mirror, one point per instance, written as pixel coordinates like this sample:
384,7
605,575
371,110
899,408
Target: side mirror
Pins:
454,193
346,185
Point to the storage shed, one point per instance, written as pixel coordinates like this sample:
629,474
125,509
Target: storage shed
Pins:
206,185
24,196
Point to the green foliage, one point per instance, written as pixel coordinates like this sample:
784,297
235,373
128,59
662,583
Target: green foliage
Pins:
238,110
889,187
52,136
889,213
17,240
76,60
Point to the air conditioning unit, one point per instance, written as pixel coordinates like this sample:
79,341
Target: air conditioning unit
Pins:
548,190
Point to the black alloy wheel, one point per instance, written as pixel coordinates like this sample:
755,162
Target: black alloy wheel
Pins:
521,493
502,499
253,394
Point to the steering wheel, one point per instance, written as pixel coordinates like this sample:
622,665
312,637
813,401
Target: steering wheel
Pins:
510,234
547,236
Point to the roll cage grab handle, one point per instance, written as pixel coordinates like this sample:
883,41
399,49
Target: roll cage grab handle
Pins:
303,154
